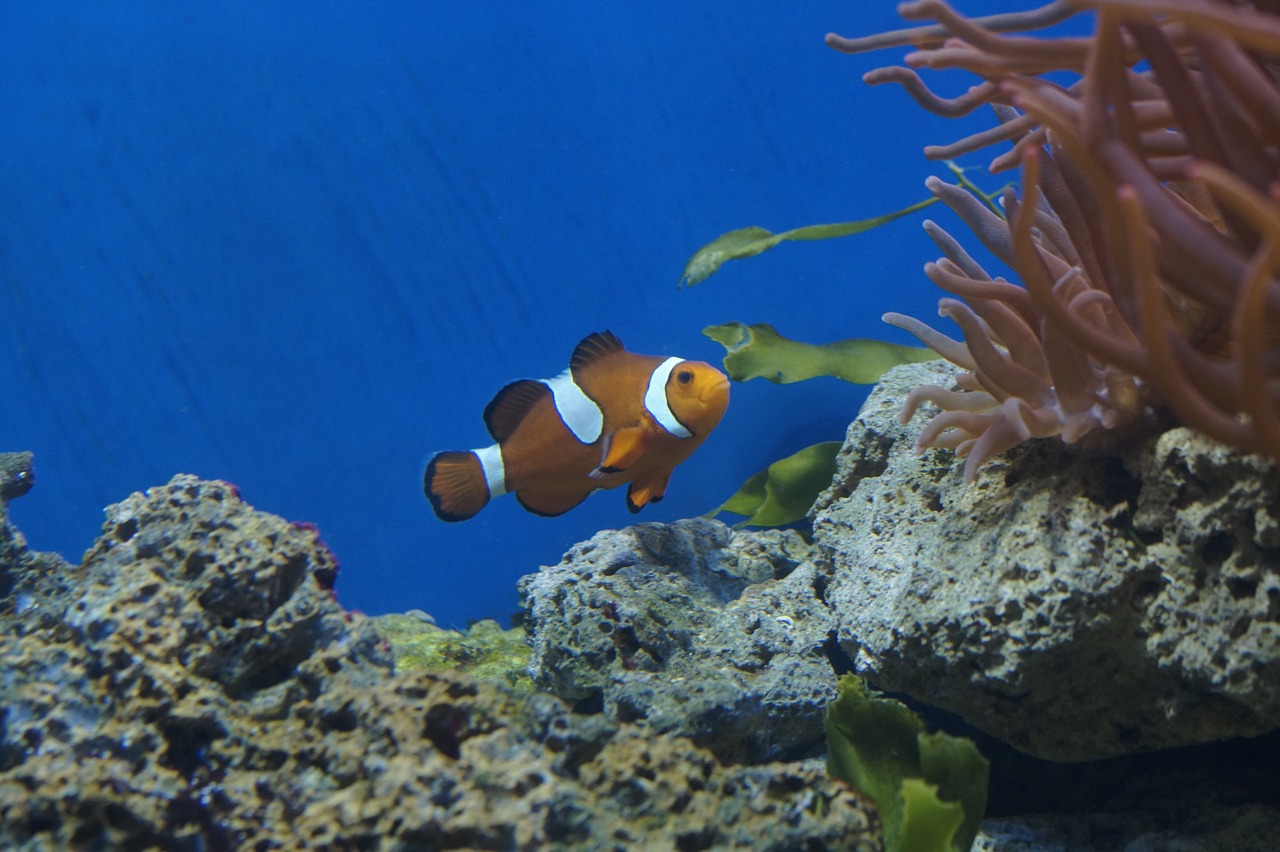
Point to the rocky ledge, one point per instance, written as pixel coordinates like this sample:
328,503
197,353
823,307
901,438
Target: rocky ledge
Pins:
1107,627
1074,605
194,685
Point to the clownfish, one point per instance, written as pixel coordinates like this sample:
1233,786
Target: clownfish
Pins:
613,417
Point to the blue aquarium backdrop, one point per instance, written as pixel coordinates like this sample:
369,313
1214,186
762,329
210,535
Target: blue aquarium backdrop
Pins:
299,247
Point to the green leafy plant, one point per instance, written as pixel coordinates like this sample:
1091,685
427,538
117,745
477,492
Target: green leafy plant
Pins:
931,789
773,496
758,351
783,492
754,240
749,242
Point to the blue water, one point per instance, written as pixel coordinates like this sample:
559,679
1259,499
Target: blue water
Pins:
299,247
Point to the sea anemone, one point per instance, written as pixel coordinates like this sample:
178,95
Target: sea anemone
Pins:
1147,235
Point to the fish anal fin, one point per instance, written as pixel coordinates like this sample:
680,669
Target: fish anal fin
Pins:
549,505
455,485
651,490
510,405
622,448
594,346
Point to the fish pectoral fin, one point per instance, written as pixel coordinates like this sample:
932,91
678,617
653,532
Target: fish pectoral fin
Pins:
622,448
652,490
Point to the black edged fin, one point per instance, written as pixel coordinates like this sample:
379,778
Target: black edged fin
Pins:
631,505
510,405
644,494
593,346
455,485
549,505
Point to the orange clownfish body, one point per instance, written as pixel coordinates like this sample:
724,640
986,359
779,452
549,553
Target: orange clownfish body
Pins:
613,417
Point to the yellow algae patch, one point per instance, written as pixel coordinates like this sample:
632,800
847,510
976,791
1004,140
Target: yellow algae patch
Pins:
484,650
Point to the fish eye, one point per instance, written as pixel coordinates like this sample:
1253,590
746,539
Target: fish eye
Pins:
684,376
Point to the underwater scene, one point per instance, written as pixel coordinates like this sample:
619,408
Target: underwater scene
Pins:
598,426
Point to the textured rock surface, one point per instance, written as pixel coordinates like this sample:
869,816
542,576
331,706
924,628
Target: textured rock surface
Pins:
190,575
35,588
696,628
1075,606
16,475
1244,829
200,689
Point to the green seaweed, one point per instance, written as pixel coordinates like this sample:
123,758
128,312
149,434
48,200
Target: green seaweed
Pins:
754,240
931,789
783,492
751,241
759,351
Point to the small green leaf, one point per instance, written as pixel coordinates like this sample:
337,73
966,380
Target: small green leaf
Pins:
928,823
783,492
748,499
953,763
748,242
735,245
758,351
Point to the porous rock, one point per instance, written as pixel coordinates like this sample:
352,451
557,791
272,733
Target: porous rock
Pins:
189,574
1250,828
698,629
16,475
35,588
1076,605
203,690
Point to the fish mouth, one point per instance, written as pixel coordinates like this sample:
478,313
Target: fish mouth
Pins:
720,387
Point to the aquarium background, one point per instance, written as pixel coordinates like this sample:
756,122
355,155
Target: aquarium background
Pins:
300,247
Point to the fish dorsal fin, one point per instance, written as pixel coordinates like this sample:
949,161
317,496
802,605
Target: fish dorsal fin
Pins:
593,347
510,406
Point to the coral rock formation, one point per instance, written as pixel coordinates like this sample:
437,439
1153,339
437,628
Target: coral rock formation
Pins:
1075,606
194,685
700,630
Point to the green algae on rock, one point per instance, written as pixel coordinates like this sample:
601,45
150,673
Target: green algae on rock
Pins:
484,650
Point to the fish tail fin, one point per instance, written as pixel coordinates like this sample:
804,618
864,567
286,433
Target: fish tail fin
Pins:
455,484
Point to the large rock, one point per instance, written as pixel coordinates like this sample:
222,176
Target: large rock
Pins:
189,575
198,687
700,630
1074,605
